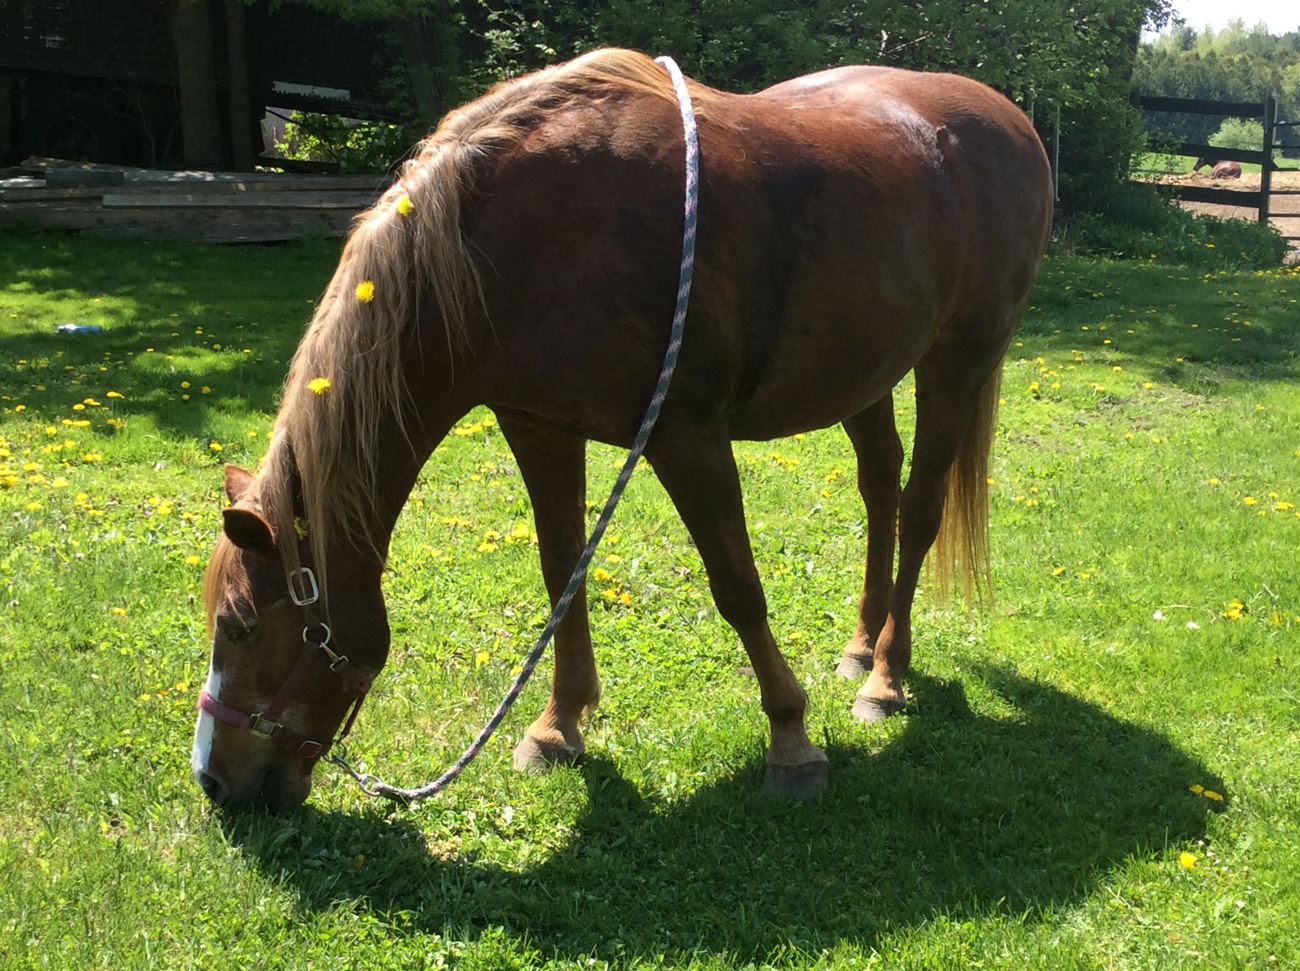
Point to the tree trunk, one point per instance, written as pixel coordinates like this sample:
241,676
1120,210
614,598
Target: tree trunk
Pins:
197,81
243,151
430,61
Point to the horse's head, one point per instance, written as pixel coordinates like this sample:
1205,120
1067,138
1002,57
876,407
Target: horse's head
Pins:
283,676
1203,163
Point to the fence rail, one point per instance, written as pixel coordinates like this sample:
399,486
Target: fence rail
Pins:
1266,112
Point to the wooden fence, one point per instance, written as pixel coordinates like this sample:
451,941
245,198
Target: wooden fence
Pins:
1266,112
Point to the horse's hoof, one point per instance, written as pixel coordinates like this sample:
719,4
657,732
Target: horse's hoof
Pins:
854,667
802,782
536,757
875,709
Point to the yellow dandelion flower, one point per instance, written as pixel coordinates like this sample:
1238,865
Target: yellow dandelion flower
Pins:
185,384
404,206
625,598
119,611
1186,860
481,658
77,407
1283,506
1058,571
318,385
1148,385
192,561
1249,500
487,546
1211,794
205,390
114,394
1197,788
59,483
215,446
601,574
365,291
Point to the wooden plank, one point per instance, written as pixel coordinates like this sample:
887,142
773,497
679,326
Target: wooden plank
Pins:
1222,197
37,164
51,195
1219,154
70,177
157,178
354,201
1197,106
161,223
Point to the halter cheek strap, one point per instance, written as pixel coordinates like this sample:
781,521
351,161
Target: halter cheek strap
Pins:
265,723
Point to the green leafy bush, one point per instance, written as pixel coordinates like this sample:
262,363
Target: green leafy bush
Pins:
1141,221
1243,133
356,146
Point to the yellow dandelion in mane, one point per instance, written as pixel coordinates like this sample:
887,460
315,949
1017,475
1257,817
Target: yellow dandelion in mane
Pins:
319,385
366,291
404,206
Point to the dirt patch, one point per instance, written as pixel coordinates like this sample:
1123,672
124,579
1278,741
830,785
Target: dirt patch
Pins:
1284,210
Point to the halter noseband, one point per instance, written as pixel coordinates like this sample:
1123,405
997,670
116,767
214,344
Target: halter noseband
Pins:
304,592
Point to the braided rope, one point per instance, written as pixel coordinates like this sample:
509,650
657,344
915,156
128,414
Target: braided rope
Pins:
374,786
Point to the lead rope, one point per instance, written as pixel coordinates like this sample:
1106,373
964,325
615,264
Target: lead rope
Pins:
374,786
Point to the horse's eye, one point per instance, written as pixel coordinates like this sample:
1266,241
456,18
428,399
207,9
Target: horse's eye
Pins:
236,630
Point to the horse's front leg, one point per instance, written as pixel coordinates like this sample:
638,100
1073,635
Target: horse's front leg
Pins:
554,470
698,470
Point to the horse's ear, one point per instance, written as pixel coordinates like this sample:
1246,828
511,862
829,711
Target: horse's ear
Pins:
249,531
237,481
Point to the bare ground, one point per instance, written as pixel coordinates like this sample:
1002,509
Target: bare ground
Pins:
1284,210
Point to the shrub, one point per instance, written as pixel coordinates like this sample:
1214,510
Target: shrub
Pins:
1142,221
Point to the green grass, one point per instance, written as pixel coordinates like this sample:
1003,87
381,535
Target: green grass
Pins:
1148,163
1027,812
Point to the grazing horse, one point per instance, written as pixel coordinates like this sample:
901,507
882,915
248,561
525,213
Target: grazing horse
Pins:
853,225
1218,169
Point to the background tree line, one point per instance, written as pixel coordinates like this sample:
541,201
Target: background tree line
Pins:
1074,57
1234,64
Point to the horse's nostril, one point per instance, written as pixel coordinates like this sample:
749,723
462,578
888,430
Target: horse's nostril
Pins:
212,787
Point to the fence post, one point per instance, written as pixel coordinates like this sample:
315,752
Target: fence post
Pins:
1266,169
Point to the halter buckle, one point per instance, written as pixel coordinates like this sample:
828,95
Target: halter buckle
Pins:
262,727
303,590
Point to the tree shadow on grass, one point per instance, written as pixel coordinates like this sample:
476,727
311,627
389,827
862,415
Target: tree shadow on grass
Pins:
196,307
1143,315
961,814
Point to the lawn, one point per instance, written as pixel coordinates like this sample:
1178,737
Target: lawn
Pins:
1095,771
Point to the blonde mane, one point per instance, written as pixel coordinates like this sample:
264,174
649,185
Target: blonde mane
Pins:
405,249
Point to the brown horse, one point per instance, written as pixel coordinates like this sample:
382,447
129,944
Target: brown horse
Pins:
854,224
1218,169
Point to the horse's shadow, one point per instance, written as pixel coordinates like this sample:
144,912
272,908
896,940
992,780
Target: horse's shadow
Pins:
960,815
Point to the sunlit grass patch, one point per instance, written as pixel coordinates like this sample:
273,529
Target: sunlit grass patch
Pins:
1035,808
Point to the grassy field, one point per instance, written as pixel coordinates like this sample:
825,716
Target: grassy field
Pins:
1157,163
1096,771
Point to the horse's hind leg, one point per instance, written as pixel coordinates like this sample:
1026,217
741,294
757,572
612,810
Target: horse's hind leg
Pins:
956,396
699,472
880,462
554,469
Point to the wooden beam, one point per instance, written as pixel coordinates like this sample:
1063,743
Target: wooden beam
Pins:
239,92
197,83
1219,154
1197,106
1222,197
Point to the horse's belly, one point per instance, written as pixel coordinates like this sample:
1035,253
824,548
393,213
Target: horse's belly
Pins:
826,381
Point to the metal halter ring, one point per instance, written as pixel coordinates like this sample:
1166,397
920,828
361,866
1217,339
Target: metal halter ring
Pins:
302,587
322,641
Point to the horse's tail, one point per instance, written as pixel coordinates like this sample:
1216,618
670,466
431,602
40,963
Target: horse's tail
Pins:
962,544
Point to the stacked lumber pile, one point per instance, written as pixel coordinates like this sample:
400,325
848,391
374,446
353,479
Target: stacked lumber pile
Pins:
216,207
